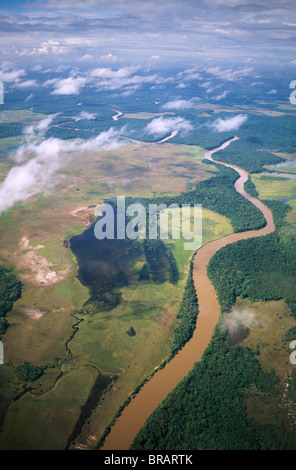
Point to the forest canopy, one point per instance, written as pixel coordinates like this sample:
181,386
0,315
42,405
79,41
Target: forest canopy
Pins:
10,291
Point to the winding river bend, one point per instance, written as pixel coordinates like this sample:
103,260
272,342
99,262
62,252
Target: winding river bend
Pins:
165,380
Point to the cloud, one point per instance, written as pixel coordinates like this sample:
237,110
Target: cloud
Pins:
272,92
87,116
169,29
86,58
190,75
221,96
68,86
209,87
36,68
123,72
230,75
29,97
181,85
162,126
179,104
231,124
39,162
11,75
109,58
126,79
46,48
239,322
26,84
40,128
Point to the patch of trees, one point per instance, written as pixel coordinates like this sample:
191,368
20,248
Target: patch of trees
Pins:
260,268
250,188
27,372
256,268
290,335
10,291
10,130
187,314
207,410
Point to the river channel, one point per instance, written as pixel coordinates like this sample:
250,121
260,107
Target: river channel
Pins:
165,380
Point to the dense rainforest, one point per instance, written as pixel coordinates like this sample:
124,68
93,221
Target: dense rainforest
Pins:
10,291
207,411
262,268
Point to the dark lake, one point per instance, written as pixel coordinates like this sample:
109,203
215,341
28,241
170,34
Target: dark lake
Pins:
108,265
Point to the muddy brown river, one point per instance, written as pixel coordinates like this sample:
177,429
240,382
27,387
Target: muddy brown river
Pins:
165,380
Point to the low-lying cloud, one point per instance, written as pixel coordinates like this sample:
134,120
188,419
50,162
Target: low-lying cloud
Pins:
125,79
238,323
221,96
39,162
69,86
40,128
10,74
179,104
87,116
163,126
231,75
231,124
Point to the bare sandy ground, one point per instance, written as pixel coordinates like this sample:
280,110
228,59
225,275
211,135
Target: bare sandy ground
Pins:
27,258
33,314
86,214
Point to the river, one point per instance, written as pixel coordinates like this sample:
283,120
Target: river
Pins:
165,380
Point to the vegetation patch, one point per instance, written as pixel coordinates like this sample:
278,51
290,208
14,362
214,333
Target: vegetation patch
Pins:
201,413
10,291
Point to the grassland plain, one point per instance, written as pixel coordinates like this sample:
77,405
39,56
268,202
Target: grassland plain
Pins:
34,239
144,115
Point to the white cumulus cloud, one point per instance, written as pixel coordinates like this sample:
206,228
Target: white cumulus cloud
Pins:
162,126
231,124
69,86
26,84
109,58
179,104
40,128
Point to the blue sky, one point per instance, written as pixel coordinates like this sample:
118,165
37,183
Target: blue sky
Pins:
147,31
